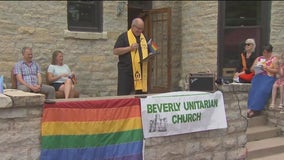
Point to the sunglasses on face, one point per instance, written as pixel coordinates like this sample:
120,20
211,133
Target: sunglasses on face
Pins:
248,44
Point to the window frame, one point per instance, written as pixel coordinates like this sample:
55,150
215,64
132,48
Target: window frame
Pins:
263,25
96,25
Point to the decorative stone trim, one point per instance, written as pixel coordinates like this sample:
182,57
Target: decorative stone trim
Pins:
85,35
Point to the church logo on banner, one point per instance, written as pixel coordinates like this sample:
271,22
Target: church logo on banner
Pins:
182,112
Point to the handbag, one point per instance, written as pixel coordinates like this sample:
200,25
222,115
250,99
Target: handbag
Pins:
74,79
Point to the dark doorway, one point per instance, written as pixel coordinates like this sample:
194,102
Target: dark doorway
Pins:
239,20
158,28
136,8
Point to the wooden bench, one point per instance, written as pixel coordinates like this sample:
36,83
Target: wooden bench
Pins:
58,94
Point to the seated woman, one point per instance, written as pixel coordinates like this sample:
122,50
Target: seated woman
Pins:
279,83
243,73
265,68
60,76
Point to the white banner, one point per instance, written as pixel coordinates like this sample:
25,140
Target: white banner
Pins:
182,112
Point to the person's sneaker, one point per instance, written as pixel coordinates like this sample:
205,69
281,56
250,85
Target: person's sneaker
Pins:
236,79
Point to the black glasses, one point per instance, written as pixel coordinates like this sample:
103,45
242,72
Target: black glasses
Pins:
248,44
139,28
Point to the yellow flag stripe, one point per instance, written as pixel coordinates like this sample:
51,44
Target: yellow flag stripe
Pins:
90,128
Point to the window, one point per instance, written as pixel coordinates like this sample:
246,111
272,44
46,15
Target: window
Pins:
237,21
242,13
84,16
242,21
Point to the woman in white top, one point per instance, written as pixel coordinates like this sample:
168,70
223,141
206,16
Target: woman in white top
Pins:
60,76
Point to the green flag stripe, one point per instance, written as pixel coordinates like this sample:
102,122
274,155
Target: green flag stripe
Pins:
78,141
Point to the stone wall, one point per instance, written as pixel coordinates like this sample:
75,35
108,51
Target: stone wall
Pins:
20,117
199,40
277,26
42,25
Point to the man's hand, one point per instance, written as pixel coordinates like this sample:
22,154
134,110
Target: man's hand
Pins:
35,88
134,46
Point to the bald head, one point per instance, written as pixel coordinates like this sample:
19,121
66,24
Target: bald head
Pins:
137,21
137,26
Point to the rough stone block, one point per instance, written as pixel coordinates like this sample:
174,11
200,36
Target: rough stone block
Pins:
14,113
5,101
24,99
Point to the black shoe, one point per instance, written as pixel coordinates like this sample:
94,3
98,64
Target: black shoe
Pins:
49,101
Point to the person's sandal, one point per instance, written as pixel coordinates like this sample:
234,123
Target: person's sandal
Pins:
250,114
253,114
271,107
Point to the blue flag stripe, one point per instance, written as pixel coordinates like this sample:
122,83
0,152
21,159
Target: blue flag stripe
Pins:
116,152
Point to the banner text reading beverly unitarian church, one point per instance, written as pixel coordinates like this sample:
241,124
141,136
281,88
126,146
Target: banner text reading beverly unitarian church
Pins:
182,112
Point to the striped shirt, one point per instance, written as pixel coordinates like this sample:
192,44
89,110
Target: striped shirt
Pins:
28,72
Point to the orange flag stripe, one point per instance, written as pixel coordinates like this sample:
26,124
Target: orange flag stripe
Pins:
83,114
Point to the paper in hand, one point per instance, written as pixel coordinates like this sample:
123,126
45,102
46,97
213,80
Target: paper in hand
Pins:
258,69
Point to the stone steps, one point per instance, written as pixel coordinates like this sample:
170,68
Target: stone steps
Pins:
266,147
272,157
264,141
257,121
262,132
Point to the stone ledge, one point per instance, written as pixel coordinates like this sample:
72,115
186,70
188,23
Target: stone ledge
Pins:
5,101
23,99
234,87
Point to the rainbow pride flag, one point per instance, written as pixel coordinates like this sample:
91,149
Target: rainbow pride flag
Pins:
92,130
153,47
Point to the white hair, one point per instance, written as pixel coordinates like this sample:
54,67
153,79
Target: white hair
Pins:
251,41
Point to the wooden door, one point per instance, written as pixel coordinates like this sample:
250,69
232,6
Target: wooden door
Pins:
158,28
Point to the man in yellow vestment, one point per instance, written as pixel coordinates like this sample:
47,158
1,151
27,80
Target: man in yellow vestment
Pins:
131,47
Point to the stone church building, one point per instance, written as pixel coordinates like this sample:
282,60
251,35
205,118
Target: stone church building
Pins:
193,37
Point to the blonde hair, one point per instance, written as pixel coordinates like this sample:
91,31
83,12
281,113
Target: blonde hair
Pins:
54,55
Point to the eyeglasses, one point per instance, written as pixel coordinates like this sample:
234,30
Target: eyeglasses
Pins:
139,28
248,44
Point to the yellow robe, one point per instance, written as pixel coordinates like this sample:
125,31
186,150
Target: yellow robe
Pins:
140,79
